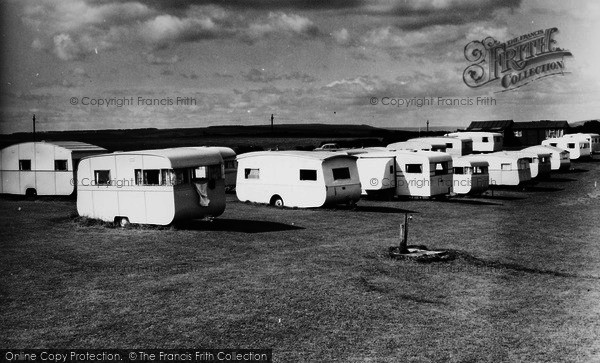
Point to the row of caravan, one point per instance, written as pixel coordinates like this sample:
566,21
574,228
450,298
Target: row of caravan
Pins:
456,143
578,145
314,179
161,186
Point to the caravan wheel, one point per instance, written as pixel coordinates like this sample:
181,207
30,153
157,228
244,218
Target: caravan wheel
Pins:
277,201
31,192
123,222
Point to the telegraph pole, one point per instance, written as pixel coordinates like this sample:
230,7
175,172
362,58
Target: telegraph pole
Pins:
428,126
272,118
34,127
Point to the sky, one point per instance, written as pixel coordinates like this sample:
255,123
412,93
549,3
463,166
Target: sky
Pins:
109,64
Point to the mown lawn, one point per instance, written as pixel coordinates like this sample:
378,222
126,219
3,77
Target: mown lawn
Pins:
316,285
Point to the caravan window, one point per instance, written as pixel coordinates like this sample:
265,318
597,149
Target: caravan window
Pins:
24,164
102,177
553,144
252,173
341,173
440,169
152,177
414,168
182,176
506,167
230,164
147,177
485,139
308,174
460,170
200,173
167,177
480,170
571,145
60,165
584,146
391,169
448,145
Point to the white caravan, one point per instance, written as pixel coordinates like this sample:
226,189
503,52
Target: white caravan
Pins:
417,145
423,173
453,145
377,172
506,169
152,186
539,162
559,159
593,139
42,168
471,175
304,179
483,142
577,148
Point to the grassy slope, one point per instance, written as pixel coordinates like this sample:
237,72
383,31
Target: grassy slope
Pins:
315,285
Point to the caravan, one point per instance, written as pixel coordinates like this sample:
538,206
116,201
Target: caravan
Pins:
471,175
377,172
151,186
423,173
539,162
577,147
559,158
592,139
452,145
304,179
483,142
404,173
42,168
506,169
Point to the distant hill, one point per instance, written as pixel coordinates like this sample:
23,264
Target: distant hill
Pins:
232,136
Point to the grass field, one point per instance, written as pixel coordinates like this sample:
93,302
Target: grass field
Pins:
316,285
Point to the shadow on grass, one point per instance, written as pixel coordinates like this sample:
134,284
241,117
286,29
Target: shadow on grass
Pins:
560,180
578,171
235,225
538,189
502,197
382,209
468,201
39,198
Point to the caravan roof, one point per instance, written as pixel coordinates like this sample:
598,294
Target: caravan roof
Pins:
69,145
226,152
416,145
545,149
315,155
463,161
434,156
77,145
181,157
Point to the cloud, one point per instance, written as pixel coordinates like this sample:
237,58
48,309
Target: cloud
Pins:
281,23
156,60
418,14
73,29
168,28
180,5
341,36
261,76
